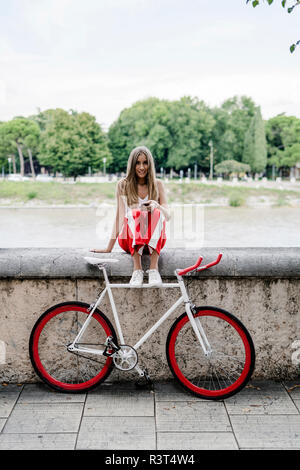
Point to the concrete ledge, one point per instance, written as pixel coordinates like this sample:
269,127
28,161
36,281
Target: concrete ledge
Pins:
261,286
47,263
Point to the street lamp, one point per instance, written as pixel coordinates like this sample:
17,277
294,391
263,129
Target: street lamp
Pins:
210,143
104,167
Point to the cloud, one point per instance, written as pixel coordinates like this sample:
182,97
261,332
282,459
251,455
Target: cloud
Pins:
103,56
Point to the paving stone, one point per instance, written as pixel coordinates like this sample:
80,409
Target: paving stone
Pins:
7,388
117,402
8,397
267,432
293,388
261,398
132,433
44,418
266,415
7,402
2,423
196,441
40,393
38,441
171,391
191,416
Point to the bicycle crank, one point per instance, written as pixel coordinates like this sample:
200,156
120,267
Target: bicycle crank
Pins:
125,358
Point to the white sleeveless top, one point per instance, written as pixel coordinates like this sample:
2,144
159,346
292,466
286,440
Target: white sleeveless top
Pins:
141,201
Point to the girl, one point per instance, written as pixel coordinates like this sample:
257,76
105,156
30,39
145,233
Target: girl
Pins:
142,212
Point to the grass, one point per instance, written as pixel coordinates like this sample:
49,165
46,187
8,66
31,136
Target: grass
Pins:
281,201
12,192
55,193
31,195
236,200
233,196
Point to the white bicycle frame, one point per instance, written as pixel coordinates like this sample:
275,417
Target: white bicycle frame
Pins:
196,325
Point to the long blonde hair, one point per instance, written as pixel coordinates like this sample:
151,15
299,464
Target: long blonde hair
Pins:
128,185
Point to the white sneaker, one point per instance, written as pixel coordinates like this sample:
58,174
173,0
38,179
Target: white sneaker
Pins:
137,278
154,277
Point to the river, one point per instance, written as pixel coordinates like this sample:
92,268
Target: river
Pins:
190,226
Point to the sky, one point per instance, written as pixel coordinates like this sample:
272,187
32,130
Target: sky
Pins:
101,56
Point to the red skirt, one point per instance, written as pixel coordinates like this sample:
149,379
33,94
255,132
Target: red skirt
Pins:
144,230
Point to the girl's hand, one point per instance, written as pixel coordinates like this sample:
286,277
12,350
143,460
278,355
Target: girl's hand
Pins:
151,205
101,250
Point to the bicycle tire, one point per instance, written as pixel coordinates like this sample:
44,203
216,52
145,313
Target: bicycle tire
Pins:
56,366
198,374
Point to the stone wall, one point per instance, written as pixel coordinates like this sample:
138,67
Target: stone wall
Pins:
261,286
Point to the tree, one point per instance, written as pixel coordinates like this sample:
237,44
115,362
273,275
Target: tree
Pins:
93,143
255,149
31,142
232,120
231,166
190,125
283,141
144,123
15,133
176,132
72,142
7,148
289,10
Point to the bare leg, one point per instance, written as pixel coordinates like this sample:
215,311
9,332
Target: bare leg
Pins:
137,263
154,260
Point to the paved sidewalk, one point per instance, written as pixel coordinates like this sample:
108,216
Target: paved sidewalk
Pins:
265,415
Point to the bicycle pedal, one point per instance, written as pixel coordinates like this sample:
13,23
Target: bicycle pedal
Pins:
110,347
145,381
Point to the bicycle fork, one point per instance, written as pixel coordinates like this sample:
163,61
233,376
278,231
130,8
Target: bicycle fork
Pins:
195,322
198,329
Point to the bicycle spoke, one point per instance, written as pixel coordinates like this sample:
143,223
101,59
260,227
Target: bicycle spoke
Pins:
224,369
64,369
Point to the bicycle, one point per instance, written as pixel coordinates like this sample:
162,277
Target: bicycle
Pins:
209,351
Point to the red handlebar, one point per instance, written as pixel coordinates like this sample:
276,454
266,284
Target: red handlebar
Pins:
212,263
192,268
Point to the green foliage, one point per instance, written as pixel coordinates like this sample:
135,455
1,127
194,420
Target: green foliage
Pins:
255,149
236,200
232,121
15,136
255,3
32,195
177,132
19,130
283,141
71,143
231,166
6,146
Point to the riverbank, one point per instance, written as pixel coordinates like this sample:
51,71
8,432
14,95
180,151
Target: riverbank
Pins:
55,194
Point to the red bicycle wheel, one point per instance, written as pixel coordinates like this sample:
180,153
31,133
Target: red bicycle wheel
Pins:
229,366
54,331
